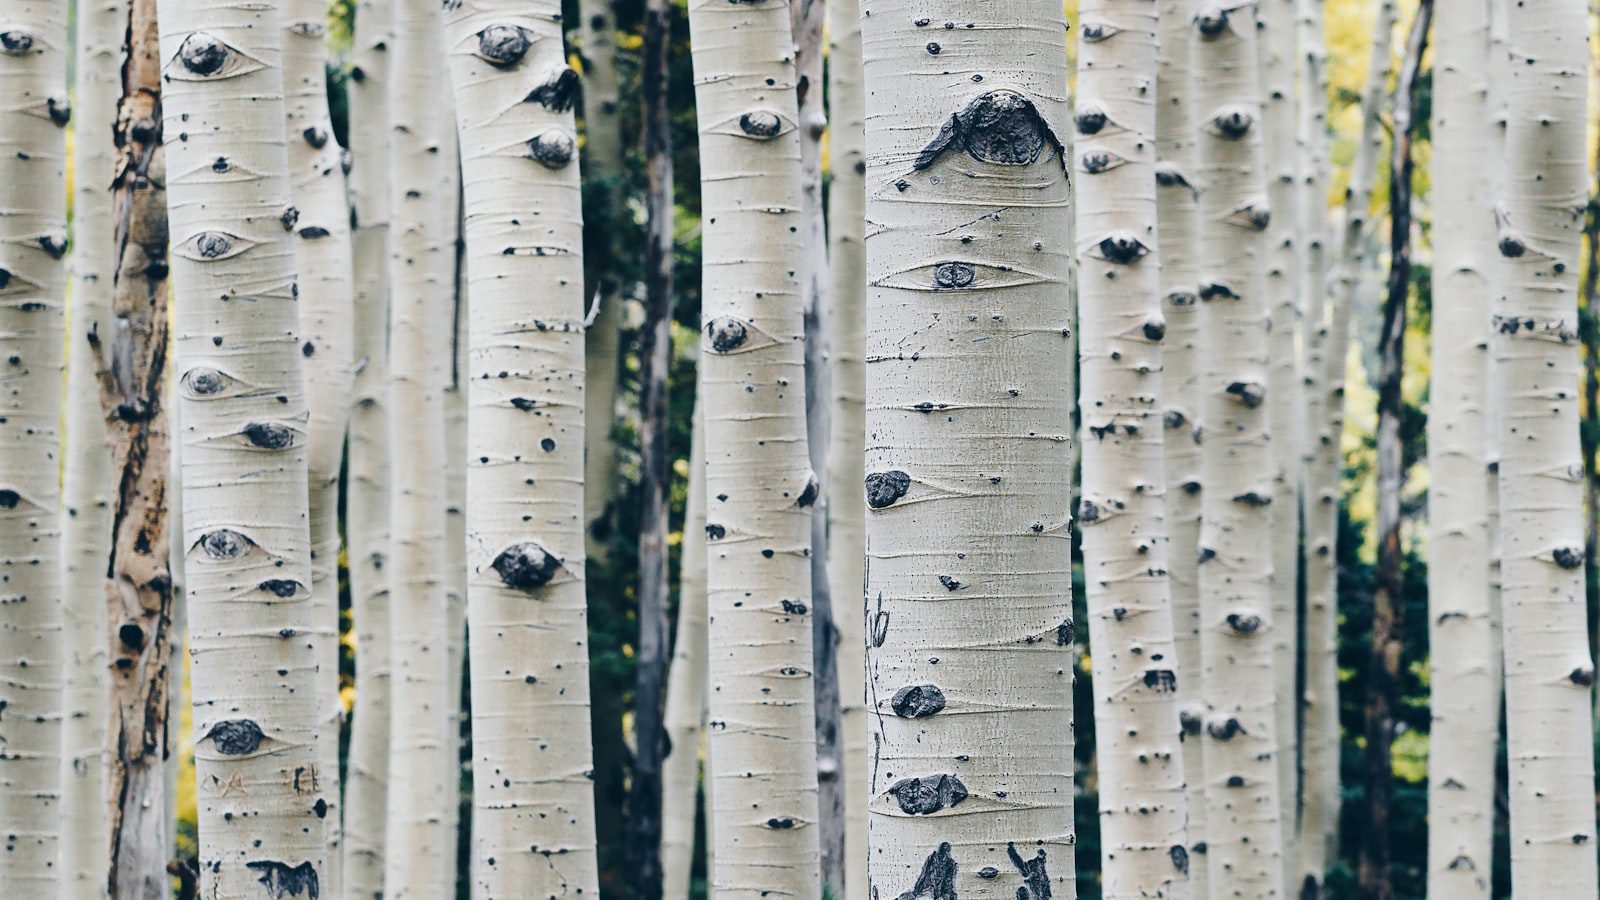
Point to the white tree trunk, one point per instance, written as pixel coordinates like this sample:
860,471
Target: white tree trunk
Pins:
1499,83
759,484
245,424
1123,510
419,853
1463,700
1548,668
1240,741
88,493
969,396
455,513
686,684
525,515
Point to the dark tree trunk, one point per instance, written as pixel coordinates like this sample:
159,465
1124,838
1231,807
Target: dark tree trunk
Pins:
655,355
1383,666
1590,430
132,361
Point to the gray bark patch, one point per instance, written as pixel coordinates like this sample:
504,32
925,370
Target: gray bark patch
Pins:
203,54
925,796
1180,858
212,244
884,488
269,435
235,737
761,124
1065,633
726,334
502,45
283,880
918,701
552,149
937,879
225,544
1033,874
559,93
526,566
1001,127
1088,510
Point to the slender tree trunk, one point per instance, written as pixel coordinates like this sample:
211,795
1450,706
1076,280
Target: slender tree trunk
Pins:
1177,211
367,479
1548,667
88,488
969,396
253,643
686,684
526,611
759,483
1464,714
1123,510
458,720
174,773
419,854
1499,80
847,327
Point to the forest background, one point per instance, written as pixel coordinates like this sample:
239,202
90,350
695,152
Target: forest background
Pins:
618,240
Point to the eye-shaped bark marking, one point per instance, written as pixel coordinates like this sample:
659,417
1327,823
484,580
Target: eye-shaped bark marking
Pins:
283,880
1065,633
1226,730
225,544
1001,127
1090,119
1253,498
918,701
1121,248
1213,290
884,488
1033,874
203,54
937,881
1582,676
1189,722
1169,175
60,110
1095,32
1180,858
1154,330
1252,215
552,149
9,498
316,137
269,435
761,124
235,737
314,232
16,42
526,566
289,217
808,495
503,46
715,532
208,246
1244,623
204,382
1232,122
1247,392
1088,510
727,334
1512,247
1568,557
926,796
949,276
1162,681
280,587
1096,162
1212,21
559,93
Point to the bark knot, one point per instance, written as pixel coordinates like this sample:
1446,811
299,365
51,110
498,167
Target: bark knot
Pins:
884,488
917,701
503,46
1001,127
925,796
526,566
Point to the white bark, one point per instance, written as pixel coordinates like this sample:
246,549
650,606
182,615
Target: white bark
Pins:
1237,627
1548,669
245,423
1123,510
686,684
419,853
759,484
1499,82
367,497
969,396
525,518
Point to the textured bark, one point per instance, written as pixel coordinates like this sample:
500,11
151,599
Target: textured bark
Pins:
1462,699
1123,510
1178,227
457,720
759,484
252,642
419,855
1240,734
1548,667
969,395
847,326
533,797
686,685
1499,82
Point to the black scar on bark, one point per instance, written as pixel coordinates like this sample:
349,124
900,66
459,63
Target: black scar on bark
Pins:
290,216
1033,874
950,584
1155,330
1168,175
1512,247
1001,127
926,796
1226,731
347,162
131,636
1247,392
316,137
953,275
203,54
204,381
1244,624
1122,249
1211,22
60,110
55,245
552,149
1065,632
280,587
212,244
522,403
777,824
1088,512
715,532
503,46
9,499
283,880
1163,681
1213,290
1233,124
884,488
1189,722
938,878
1568,557
1583,676
1090,120
761,124
727,334
1097,161
1253,498
526,566
236,737
1180,858
808,496
918,701
269,435
559,93
225,544
16,42
312,232
1310,889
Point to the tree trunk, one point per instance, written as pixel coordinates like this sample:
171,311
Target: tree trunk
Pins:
1548,667
847,327
367,479
1462,701
969,399
526,614
1499,70
686,684
458,722
1243,837
419,855
88,490
245,422
1177,217
1123,511
759,483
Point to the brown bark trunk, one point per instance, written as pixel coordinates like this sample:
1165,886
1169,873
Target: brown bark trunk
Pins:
132,369
1383,666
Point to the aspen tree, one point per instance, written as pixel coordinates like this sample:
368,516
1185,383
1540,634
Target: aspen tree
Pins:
419,857
1122,512
847,327
1177,211
525,368
969,395
759,484
1244,843
686,684
243,409
1499,81
88,490
1548,668
457,720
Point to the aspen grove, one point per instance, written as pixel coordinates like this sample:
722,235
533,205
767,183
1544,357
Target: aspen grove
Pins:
804,449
